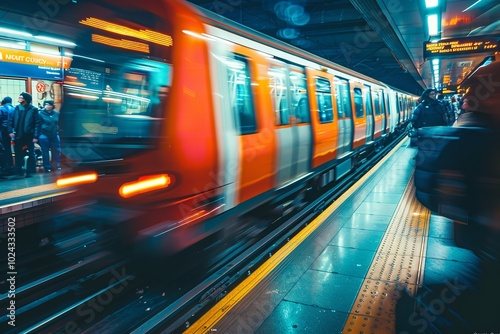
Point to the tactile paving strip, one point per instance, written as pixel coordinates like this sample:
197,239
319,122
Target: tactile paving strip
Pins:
397,265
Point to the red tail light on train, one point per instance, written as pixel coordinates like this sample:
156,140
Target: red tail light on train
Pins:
144,184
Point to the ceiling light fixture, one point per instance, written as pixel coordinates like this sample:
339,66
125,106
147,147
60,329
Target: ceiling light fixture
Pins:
432,24
55,40
15,32
432,3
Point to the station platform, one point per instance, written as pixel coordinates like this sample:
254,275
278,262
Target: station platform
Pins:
347,270
26,198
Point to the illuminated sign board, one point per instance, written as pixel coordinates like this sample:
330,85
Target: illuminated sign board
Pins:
84,78
32,64
461,46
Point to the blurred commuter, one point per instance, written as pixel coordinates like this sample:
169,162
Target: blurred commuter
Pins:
454,106
23,127
471,115
450,114
6,112
49,139
429,111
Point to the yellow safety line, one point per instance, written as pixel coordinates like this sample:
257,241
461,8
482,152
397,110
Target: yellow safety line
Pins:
216,313
24,191
398,264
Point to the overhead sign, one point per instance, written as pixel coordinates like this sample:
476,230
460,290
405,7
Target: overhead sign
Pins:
461,46
84,78
31,64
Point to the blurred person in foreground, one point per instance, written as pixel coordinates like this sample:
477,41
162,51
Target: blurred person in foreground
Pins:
464,175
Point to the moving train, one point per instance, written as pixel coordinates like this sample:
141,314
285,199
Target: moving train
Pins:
172,116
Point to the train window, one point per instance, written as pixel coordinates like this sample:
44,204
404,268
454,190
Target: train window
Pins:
298,92
358,102
288,94
343,98
324,99
116,77
278,89
383,99
240,94
376,103
368,100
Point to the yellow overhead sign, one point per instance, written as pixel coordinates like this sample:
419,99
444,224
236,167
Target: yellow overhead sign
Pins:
461,46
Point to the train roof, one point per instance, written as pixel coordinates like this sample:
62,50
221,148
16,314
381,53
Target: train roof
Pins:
241,30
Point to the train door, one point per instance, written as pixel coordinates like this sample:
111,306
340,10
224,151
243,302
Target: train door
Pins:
325,130
359,115
386,123
400,101
406,105
288,89
379,122
396,107
370,122
248,95
344,114
409,107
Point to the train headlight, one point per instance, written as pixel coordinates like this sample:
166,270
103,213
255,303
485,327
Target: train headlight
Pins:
74,180
144,184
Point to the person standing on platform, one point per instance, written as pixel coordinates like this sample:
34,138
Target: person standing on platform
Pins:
454,106
24,126
6,112
429,111
49,139
450,114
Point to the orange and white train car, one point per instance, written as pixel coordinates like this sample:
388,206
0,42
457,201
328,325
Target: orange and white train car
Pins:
172,117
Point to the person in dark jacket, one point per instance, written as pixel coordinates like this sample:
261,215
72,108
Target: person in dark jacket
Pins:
429,111
450,113
6,112
24,127
49,136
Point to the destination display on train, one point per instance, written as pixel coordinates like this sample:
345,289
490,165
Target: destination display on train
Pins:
461,46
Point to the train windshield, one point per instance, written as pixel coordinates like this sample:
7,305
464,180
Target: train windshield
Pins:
116,88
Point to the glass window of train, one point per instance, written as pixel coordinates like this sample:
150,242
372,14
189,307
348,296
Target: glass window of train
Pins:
298,92
240,94
278,91
368,100
384,102
324,100
136,98
109,87
343,97
376,103
122,75
358,102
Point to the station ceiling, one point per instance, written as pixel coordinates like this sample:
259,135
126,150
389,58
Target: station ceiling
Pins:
380,38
